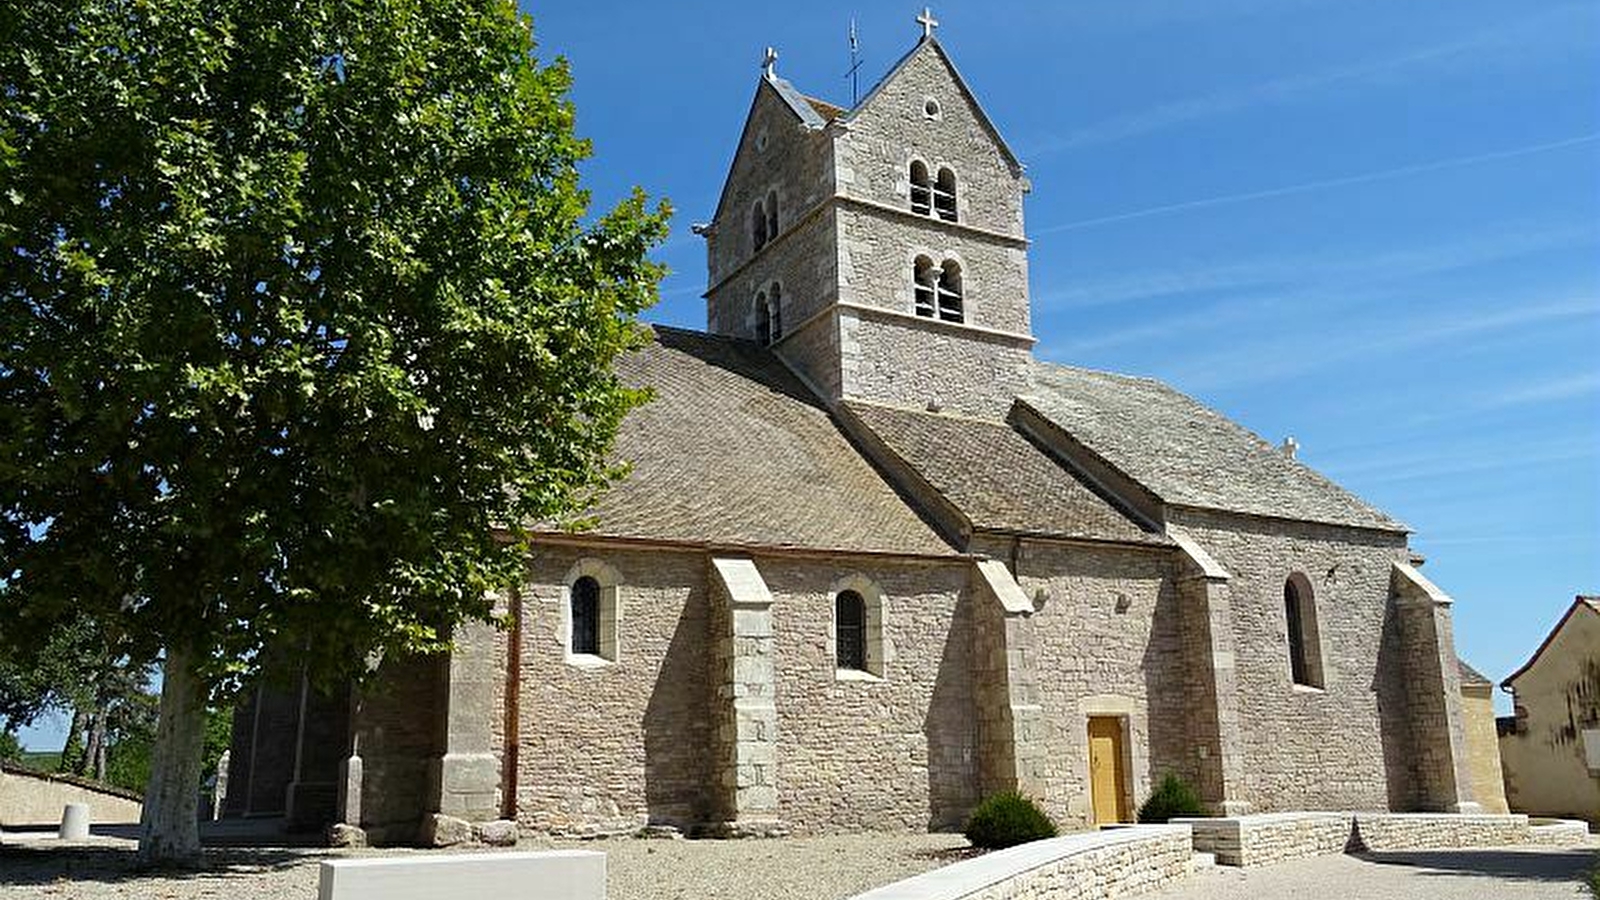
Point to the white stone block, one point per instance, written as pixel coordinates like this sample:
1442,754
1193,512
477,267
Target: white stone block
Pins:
553,875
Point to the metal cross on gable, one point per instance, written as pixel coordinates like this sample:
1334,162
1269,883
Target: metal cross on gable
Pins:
768,62
928,22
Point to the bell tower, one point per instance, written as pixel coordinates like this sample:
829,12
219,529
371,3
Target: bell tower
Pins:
878,250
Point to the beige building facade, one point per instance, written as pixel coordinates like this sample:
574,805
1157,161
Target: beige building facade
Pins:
1550,747
875,561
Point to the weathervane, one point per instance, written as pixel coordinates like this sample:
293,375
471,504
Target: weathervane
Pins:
928,23
768,62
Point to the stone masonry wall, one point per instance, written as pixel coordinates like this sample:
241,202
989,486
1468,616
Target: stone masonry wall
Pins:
616,746
1305,748
875,154
911,362
397,744
776,152
1109,643
813,351
802,263
855,752
877,257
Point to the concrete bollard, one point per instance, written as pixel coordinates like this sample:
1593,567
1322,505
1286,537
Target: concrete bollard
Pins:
74,822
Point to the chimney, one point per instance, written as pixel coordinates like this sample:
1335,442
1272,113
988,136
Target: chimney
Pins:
1290,447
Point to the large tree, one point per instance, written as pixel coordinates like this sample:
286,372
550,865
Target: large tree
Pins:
301,319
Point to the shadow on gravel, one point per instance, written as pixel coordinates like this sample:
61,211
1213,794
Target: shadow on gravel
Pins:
22,864
1547,865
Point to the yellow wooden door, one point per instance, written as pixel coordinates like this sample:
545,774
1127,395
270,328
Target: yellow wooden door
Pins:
1106,770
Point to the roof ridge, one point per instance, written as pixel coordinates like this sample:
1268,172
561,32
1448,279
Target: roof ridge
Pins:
956,417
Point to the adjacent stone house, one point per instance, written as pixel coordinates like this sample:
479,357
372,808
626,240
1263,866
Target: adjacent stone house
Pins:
875,560
1550,748
1483,743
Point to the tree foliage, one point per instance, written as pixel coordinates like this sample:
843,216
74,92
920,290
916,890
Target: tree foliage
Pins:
302,319
296,309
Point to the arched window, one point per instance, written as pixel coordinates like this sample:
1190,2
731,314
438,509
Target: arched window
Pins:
772,214
590,614
858,645
926,283
1300,619
850,630
758,226
775,310
944,195
950,298
921,190
763,319
586,616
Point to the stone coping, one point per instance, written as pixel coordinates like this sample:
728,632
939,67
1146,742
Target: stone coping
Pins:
968,877
1266,838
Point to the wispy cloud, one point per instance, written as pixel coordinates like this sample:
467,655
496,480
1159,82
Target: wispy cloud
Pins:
1461,52
1321,272
1322,184
1553,390
1456,461
1273,357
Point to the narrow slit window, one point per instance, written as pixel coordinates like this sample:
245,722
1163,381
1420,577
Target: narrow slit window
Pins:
921,190
763,319
850,625
772,214
944,195
925,285
758,226
775,329
951,304
586,616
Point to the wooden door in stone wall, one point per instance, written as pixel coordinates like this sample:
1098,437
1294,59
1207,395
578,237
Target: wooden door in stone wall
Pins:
1106,770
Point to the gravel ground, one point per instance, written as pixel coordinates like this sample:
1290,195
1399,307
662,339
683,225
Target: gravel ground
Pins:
1510,874
822,868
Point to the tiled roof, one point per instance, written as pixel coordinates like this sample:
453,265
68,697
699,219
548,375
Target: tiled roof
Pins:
1188,454
996,477
825,109
1469,675
734,450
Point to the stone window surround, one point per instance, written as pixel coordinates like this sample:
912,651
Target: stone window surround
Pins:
610,581
879,649
932,170
846,200
1311,637
940,261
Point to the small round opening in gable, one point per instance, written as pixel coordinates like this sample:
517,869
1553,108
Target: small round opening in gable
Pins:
930,108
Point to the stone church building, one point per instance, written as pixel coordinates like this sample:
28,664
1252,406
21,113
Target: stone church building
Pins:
875,561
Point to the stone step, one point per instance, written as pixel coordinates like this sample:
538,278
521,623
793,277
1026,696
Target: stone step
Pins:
1203,861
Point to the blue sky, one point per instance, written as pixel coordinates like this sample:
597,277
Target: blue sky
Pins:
1372,225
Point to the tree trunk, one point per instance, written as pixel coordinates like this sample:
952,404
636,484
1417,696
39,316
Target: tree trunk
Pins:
94,745
169,830
69,747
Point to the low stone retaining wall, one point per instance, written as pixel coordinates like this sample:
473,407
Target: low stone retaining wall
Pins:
36,799
1426,831
1560,833
1261,840
1271,837
1096,865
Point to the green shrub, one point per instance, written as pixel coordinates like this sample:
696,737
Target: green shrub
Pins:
1007,819
10,748
1591,881
1173,799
